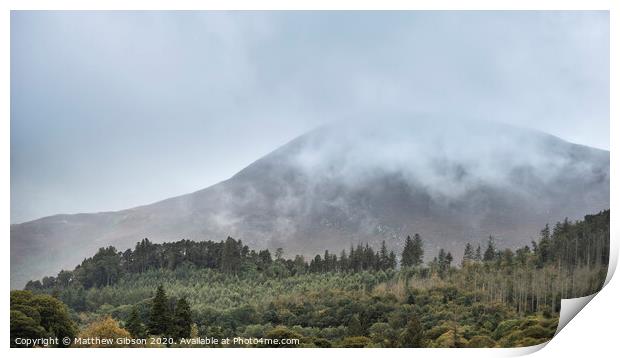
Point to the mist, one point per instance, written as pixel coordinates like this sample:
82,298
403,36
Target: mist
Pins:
453,180
447,156
111,110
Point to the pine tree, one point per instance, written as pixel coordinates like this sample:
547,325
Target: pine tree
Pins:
413,335
544,247
478,256
489,253
413,252
407,255
182,320
343,262
441,258
279,254
418,250
355,327
231,256
326,261
384,262
392,260
468,255
449,259
134,325
159,322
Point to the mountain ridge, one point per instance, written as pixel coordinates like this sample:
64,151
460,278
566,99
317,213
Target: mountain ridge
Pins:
349,182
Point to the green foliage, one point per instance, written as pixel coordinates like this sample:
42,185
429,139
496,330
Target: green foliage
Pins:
413,335
182,322
503,298
355,327
490,252
134,325
468,255
39,316
383,335
355,342
231,255
24,326
481,342
160,321
413,252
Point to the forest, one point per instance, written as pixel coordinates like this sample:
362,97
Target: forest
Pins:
196,293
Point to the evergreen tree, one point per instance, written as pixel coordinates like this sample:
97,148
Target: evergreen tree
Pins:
442,262
316,265
418,250
134,325
449,260
160,321
327,261
392,260
407,255
468,254
384,260
413,335
279,254
355,327
490,252
231,256
544,247
182,320
441,258
413,252
344,262
264,257
478,255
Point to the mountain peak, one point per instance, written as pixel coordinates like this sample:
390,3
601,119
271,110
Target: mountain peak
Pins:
351,181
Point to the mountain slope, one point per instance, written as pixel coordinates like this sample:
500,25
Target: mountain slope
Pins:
451,181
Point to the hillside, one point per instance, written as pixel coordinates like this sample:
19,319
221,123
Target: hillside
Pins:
452,181
492,297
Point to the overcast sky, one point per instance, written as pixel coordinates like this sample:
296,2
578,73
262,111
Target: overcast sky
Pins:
111,110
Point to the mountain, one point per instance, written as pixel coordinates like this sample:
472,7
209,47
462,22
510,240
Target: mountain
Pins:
354,181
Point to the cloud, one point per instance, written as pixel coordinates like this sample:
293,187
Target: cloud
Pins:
446,156
116,109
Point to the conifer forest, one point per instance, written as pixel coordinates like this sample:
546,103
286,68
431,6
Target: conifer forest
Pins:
226,294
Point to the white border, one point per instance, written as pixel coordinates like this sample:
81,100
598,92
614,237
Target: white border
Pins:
594,330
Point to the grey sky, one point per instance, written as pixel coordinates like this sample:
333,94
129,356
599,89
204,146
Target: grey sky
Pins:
111,110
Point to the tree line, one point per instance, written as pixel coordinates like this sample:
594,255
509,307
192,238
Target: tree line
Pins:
492,297
166,318
230,256
567,247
